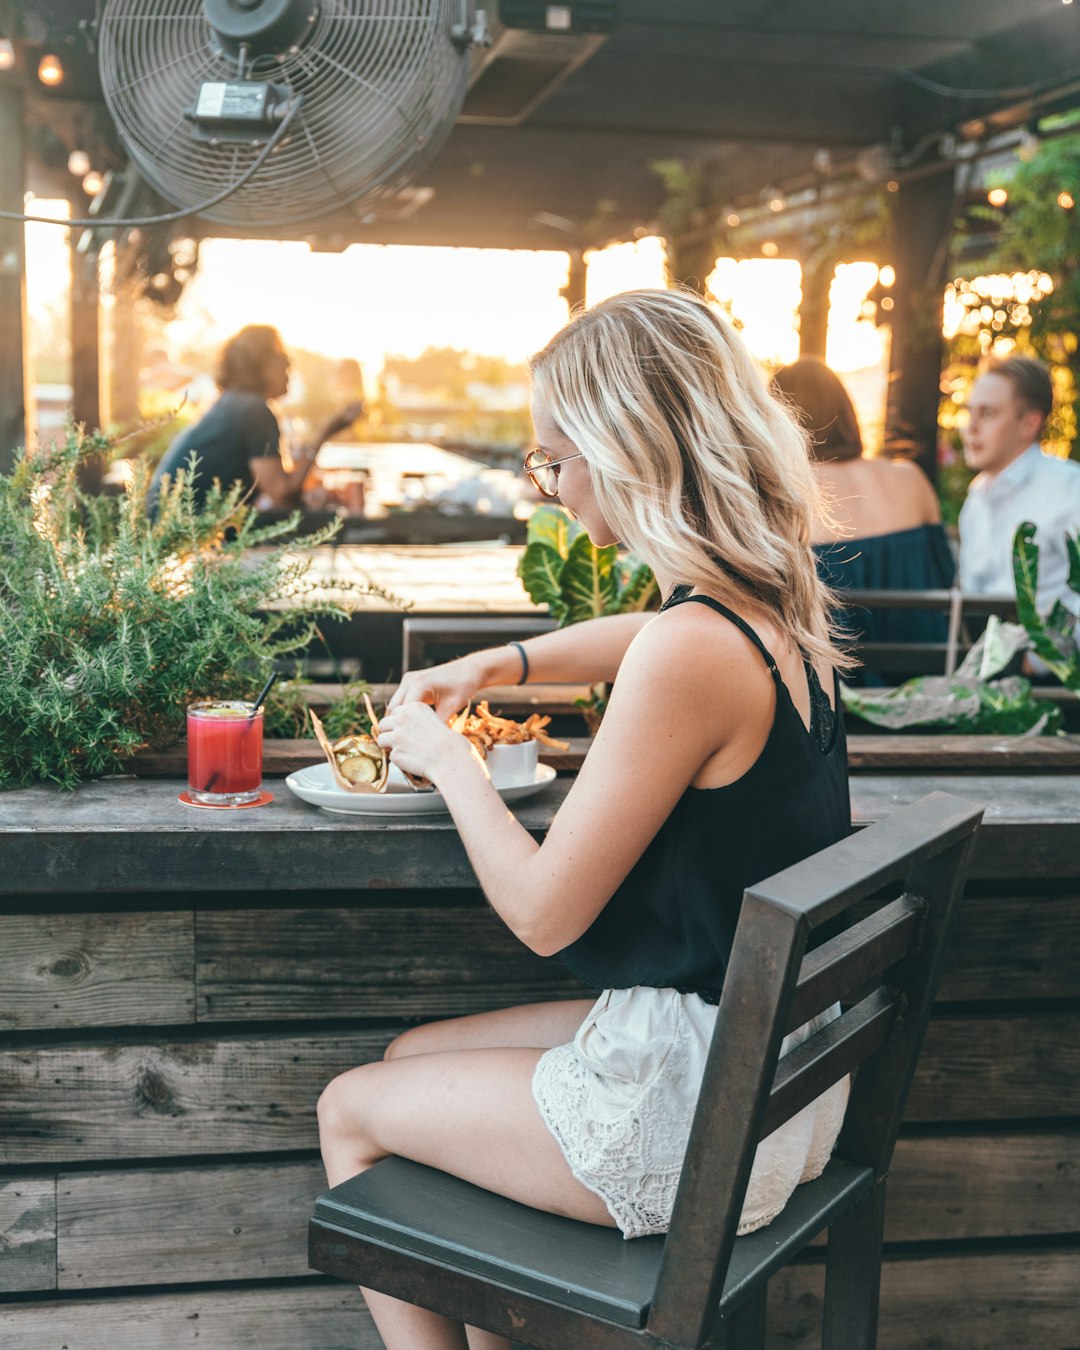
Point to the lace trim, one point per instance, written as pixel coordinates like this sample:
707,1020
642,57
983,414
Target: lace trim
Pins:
631,1156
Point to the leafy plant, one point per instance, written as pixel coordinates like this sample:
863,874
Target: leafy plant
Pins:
955,703
111,623
1053,636
977,699
563,569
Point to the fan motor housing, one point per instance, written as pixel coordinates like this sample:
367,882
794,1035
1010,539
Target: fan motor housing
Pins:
262,26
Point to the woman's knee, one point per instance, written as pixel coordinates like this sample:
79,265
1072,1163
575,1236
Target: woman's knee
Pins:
340,1106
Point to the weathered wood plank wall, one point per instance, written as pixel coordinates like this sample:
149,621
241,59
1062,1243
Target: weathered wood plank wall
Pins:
161,1055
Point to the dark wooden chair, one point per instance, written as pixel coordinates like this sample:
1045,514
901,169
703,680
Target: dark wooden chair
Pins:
552,1282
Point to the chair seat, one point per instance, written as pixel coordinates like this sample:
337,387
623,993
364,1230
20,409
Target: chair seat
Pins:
404,1207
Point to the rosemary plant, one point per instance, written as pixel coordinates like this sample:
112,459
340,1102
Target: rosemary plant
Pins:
111,623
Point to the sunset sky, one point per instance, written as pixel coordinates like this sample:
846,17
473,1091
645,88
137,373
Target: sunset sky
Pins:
372,301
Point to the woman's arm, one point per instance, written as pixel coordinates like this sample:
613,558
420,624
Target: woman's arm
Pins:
283,486
686,690
584,653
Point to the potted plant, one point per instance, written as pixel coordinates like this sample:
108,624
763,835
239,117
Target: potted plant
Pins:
563,569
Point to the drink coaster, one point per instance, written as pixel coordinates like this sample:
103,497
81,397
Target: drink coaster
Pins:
263,799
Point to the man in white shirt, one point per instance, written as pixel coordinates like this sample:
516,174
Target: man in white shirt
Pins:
1007,410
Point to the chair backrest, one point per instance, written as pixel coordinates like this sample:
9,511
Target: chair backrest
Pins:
925,658
426,641
885,966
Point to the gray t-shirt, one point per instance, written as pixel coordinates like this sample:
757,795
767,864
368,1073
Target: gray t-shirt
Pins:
239,427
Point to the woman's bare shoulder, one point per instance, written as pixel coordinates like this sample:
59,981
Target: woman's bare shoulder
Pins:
690,651
903,476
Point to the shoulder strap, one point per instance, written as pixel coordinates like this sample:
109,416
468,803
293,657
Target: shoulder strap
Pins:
739,623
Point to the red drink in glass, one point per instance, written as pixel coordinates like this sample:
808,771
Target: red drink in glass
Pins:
224,752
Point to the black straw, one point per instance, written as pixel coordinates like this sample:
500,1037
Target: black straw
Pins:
263,693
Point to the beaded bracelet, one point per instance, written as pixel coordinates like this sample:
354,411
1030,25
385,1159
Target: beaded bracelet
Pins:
524,661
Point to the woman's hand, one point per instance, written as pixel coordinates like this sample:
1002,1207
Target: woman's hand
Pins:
421,744
449,687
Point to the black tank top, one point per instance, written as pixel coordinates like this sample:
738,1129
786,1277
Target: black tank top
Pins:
671,923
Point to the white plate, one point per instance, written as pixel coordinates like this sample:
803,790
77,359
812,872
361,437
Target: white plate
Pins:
316,785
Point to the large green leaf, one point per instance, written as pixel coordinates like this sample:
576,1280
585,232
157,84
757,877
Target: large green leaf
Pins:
639,593
552,526
1026,576
1025,556
1072,548
540,570
948,703
588,579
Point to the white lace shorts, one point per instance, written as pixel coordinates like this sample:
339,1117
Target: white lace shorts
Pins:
620,1099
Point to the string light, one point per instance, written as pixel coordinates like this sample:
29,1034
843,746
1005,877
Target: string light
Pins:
93,183
49,70
7,53
1066,201
733,218
997,196
770,249
78,163
886,276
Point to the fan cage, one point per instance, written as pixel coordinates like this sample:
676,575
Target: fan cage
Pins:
381,81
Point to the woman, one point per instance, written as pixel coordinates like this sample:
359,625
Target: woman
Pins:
884,528
720,759
238,439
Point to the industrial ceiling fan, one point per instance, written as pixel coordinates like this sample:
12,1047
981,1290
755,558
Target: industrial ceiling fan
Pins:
273,112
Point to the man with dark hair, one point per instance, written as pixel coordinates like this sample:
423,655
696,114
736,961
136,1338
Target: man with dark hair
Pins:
238,440
1007,410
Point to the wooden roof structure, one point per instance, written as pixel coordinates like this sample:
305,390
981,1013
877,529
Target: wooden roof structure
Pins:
752,90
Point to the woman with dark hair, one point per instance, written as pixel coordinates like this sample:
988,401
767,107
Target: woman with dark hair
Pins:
238,440
883,530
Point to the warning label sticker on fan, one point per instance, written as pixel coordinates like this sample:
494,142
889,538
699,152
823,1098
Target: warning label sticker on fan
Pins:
232,102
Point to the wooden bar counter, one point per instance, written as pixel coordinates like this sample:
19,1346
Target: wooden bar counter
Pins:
176,986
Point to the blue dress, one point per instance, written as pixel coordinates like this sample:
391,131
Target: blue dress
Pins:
918,559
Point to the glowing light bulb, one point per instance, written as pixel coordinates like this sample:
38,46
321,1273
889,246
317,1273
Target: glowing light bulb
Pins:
1066,201
733,218
49,70
93,183
997,196
770,249
78,163
7,53
887,275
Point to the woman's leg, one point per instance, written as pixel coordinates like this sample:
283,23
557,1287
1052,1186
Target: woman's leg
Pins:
469,1112
532,1026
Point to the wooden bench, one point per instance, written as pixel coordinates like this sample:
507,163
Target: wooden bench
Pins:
547,1281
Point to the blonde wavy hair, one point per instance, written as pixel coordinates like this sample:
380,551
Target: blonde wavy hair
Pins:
694,463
